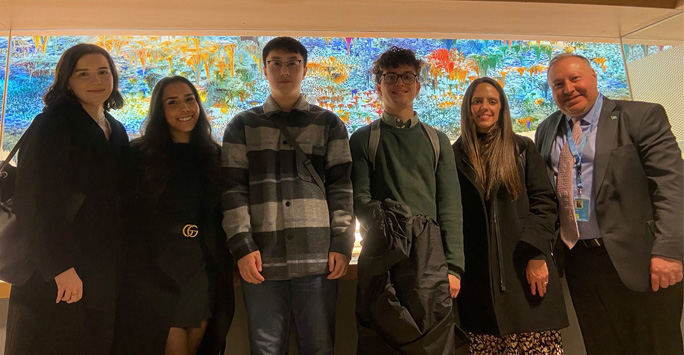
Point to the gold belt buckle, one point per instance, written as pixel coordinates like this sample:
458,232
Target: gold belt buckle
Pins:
190,231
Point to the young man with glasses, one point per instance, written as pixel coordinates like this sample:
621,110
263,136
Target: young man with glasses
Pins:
288,213
412,164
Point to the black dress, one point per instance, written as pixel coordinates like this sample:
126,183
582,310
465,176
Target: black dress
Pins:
181,204
176,270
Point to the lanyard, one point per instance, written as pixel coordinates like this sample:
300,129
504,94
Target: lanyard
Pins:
576,152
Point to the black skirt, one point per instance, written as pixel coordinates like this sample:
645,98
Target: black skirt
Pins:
193,304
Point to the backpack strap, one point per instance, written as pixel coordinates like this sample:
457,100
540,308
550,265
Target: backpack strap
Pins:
374,141
434,140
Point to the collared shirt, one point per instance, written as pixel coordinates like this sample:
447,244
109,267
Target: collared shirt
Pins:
271,107
589,124
272,203
395,121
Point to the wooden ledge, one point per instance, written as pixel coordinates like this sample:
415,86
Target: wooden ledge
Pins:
5,289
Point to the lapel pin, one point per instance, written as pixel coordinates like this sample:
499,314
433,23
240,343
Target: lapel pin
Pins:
613,117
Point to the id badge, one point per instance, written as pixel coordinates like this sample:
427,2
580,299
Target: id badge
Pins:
582,209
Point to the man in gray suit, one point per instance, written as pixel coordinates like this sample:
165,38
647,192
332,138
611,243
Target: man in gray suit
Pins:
617,170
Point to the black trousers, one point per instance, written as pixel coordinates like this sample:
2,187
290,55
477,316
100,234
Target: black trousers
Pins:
616,320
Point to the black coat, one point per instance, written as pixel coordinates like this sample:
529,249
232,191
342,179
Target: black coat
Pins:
149,293
403,304
500,237
66,201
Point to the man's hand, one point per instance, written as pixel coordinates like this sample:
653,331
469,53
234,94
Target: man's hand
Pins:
337,264
250,267
454,285
537,274
665,272
69,286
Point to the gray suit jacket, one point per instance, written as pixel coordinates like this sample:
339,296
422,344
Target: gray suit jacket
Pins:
637,185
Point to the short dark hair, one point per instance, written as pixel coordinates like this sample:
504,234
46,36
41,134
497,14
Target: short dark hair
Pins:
59,92
287,44
394,57
562,56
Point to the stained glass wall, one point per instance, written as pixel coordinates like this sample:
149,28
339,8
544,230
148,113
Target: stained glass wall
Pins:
637,51
227,72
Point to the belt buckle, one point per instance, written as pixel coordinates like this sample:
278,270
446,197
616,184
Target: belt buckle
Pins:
190,231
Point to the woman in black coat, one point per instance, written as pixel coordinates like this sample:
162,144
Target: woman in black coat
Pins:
176,294
511,300
66,202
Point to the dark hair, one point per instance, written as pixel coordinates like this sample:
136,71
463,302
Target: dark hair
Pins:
287,44
494,155
156,141
393,58
59,92
562,56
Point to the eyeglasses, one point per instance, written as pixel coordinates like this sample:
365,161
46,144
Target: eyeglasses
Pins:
278,64
407,78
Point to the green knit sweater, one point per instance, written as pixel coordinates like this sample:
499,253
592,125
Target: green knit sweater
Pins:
404,171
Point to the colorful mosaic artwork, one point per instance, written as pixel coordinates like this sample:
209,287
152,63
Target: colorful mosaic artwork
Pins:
228,73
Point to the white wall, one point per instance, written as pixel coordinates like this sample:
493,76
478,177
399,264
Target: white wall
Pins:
660,78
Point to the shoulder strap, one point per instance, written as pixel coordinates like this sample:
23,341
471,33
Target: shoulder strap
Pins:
374,141
14,150
434,140
300,154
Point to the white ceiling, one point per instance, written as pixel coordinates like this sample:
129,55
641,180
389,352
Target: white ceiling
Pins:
350,18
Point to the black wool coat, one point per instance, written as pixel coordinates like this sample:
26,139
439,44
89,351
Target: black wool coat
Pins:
500,237
66,200
148,293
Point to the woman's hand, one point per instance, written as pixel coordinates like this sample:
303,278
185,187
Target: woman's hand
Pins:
537,276
69,286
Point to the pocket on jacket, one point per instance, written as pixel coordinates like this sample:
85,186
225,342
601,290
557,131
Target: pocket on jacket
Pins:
625,163
624,149
302,171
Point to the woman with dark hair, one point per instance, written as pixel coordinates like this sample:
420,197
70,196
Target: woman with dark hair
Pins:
176,294
66,201
511,300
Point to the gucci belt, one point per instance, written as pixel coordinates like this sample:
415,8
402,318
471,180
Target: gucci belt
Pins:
190,230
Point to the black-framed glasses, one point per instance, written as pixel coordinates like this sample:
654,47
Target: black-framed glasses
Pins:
407,78
278,64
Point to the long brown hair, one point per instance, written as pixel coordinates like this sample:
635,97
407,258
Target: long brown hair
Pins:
494,156
156,141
